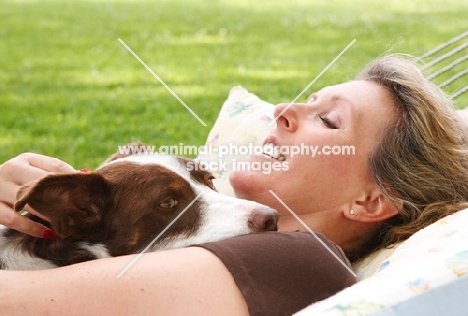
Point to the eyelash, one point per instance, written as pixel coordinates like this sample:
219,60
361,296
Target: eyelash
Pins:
328,123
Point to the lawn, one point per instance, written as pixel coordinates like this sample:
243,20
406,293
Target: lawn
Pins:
70,89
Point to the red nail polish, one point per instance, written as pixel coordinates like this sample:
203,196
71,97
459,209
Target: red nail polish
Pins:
84,170
49,234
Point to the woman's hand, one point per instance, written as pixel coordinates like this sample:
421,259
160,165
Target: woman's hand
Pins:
16,172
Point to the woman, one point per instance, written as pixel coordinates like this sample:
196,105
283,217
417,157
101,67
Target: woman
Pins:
409,169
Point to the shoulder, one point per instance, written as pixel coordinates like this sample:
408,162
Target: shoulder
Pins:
280,243
283,271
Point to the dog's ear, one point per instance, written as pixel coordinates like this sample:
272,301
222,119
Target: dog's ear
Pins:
123,153
74,203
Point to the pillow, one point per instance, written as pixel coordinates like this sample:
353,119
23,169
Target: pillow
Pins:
243,123
374,262
434,257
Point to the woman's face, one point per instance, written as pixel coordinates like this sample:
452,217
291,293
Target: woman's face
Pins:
339,126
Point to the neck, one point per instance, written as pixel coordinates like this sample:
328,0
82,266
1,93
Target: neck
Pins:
349,235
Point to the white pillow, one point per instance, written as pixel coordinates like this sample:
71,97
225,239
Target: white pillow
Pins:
243,122
433,257
373,263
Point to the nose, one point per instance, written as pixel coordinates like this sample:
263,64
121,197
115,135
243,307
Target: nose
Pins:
263,219
287,115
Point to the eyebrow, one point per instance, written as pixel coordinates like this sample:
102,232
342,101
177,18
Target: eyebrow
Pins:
334,98
338,97
347,107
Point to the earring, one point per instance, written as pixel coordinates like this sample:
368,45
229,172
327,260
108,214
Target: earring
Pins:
351,212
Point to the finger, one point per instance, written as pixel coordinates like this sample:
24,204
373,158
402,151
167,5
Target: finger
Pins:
25,174
20,223
29,167
32,211
14,175
49,164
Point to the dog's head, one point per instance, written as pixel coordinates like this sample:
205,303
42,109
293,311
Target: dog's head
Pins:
130,200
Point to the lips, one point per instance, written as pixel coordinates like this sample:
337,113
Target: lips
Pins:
272,150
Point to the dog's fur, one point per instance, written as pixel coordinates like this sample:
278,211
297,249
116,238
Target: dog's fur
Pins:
122,207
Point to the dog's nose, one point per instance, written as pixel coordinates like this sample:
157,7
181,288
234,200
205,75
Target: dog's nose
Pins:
263,219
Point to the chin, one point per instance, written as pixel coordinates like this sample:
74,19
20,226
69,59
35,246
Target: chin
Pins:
251,186
245,183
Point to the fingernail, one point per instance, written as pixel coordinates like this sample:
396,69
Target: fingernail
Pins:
49,234
84,170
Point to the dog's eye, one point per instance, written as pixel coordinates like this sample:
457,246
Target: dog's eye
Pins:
170,203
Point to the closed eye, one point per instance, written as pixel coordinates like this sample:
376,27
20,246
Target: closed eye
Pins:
328,123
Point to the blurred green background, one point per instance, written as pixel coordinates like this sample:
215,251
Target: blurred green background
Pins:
69,89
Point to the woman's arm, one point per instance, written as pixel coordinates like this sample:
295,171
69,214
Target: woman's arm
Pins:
189,281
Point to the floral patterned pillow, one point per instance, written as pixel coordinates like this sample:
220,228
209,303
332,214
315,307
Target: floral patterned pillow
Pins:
434,257
243,122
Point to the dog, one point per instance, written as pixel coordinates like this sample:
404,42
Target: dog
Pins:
122,207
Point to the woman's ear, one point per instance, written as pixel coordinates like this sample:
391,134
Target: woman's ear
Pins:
372,207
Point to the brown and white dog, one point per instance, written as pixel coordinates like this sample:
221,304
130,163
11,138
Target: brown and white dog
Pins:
122,207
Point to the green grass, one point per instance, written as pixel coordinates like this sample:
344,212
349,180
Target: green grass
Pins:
69,89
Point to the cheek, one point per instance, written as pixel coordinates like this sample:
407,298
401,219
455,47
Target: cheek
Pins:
341,166
324,176
345,175
323,166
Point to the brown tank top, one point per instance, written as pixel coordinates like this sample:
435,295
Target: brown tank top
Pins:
280,273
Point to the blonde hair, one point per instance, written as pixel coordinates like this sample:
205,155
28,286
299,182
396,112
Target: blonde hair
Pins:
421,161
